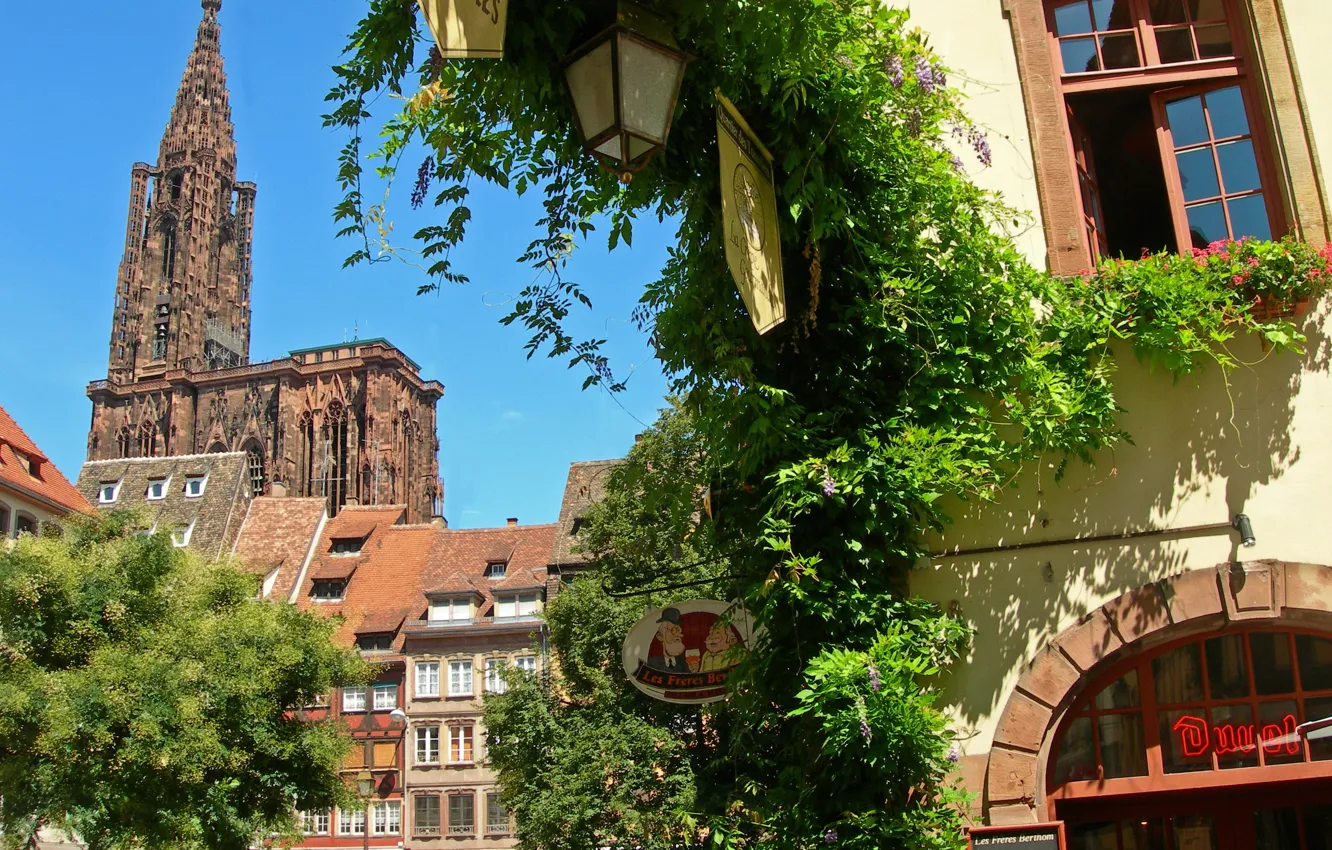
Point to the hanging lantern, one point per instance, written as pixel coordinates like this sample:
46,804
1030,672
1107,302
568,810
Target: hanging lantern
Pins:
624,82
467,29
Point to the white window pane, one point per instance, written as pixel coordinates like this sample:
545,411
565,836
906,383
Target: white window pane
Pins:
427,678
353,699
460,678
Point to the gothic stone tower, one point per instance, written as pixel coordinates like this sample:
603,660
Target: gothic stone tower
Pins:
183,292
352,423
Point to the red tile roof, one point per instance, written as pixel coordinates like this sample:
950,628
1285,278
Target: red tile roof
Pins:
37,477
462,557
278,533
399,564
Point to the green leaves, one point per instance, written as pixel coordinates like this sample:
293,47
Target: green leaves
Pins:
147,698
924,358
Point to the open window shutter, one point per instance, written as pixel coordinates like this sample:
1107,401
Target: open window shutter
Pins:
1088,187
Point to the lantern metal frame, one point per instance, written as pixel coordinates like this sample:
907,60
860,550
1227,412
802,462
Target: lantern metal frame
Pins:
653,32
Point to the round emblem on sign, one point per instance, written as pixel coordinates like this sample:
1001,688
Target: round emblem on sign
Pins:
749,204
684,653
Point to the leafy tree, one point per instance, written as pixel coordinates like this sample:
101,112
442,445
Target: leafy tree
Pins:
148,699
925,361
587,761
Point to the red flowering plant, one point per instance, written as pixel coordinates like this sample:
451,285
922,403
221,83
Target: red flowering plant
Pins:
1179,311
1275,278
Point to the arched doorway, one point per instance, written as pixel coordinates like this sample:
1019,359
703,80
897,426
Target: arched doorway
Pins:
1183,715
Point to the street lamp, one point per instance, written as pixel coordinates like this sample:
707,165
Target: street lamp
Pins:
365,783
624,82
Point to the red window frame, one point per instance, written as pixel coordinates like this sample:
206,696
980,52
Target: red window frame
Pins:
1157,780
1266,176
1168,80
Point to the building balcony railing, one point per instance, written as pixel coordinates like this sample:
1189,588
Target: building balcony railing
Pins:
465,829
426,830
497,829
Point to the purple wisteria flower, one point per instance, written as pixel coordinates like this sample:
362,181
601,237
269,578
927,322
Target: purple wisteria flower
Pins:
893,67
915,122
865,731
875,682
957,164
940,78
953,755
981,146
925,75
829,485
830,837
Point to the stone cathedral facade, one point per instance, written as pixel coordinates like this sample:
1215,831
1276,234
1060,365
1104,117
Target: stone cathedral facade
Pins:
353,423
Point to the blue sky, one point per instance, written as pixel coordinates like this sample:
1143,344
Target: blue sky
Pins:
87,90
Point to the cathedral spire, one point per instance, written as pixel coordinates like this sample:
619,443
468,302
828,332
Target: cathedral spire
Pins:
201,116
183,295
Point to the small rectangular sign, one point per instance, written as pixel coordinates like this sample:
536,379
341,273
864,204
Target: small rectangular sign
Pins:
1026,836
467,29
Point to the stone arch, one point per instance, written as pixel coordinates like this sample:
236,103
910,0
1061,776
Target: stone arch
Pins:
1266,592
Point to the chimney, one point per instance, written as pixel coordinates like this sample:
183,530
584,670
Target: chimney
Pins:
277,490
638,438
513,522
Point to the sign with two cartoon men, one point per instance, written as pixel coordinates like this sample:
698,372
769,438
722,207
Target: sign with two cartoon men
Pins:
684,653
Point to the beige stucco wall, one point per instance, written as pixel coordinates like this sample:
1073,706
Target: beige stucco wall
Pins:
17,503
974,40
476,778
1191,465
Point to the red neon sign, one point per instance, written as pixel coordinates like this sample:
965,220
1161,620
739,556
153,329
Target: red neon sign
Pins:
1196,737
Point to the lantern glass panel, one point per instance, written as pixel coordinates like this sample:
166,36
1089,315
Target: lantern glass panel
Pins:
592,82
610,148
639,148
648,82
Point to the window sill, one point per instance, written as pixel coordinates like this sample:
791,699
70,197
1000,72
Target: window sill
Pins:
427,765
462,696
427,697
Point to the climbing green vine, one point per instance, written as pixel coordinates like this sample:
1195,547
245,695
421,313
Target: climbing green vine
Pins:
925,358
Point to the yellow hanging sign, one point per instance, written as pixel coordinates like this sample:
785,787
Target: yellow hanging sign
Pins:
467,29
749,210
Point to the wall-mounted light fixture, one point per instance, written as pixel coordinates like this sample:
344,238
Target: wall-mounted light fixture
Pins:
1242,524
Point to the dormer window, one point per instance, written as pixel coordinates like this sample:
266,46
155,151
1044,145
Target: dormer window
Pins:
450,611
496,569
375,643
157,488
108,492
328,590
519,605
180,536
346,545
194,486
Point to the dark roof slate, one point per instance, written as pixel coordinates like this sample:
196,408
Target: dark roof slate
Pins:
216,516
